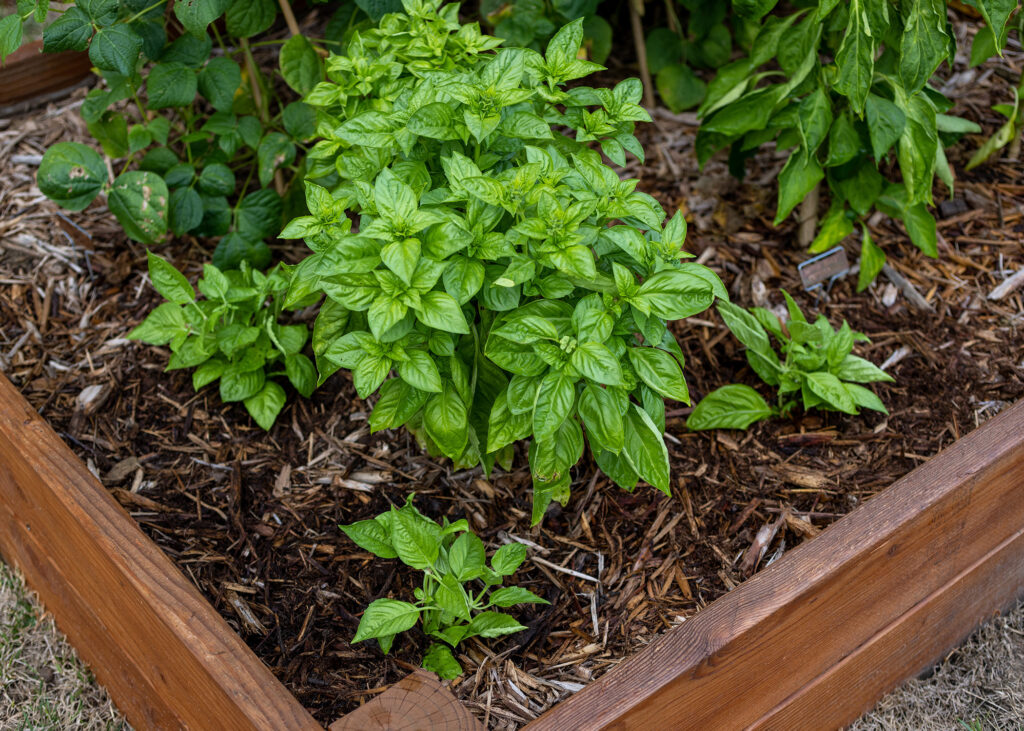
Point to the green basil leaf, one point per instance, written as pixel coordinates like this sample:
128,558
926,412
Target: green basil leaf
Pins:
644,449
855,368
439,658
386,617
493,624
420,371
372,536
415,538
602,418
510,596
238,385
507,559
661,372
264,406
554,404
872,259
440,310
730,407
446,420
161,326
467,557
301,373
597,363
505,427
865,397
830,389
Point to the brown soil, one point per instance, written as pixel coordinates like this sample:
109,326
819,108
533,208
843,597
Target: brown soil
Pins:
251,517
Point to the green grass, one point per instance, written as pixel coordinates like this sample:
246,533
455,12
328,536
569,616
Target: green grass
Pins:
43,685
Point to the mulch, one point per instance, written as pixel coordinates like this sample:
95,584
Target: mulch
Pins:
252,517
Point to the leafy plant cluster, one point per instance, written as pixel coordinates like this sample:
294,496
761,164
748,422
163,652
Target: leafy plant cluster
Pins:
519,288
233,334
814,368
460,592
844,87
531,23
207,144
698,35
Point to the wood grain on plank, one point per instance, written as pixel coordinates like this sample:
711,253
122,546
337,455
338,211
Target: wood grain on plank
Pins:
167,658
418,702
29,72
816,638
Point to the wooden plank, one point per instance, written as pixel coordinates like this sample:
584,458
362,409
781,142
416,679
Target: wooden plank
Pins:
816,638
29,72
416,703
167,658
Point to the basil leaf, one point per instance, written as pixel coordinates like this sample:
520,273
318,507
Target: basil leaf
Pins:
264,406
385,617
730,407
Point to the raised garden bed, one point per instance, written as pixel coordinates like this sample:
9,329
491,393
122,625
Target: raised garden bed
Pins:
250,520
891,586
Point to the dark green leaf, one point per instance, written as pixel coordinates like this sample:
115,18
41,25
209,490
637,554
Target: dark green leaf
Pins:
300,64
247,18
185,212
275,151
71,174
116,48
218,82
70,32
195,15
170,85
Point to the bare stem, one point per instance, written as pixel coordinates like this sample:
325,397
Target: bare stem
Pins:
289,17
636,9
808,217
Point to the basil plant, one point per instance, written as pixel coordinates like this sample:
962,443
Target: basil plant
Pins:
480,265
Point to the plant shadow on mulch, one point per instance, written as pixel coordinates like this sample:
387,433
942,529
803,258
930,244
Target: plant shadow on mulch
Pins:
251,517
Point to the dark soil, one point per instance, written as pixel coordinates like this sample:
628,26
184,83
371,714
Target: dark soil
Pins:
251,517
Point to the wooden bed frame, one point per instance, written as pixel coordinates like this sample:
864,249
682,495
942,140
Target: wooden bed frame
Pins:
810,642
